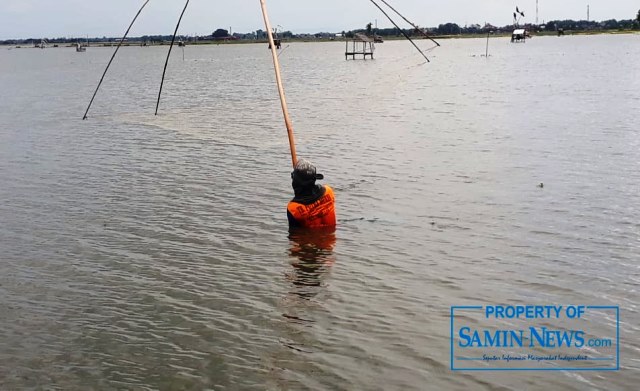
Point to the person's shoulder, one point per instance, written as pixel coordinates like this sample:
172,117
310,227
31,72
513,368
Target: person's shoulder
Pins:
328,189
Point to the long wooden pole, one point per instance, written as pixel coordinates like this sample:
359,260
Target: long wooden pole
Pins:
283,100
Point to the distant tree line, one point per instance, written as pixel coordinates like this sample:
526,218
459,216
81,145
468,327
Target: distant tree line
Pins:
610,24
555,25
442,29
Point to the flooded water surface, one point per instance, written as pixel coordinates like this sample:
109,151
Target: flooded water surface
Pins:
152,252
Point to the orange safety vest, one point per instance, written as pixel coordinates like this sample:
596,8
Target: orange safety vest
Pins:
321,213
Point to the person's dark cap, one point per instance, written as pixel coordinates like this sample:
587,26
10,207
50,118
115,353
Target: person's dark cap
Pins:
305,172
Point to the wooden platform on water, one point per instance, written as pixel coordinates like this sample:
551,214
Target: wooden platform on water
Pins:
361,45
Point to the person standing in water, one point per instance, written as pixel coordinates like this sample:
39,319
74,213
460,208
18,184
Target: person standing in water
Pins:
313,205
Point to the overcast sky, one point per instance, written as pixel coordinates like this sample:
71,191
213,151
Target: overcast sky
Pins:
78,18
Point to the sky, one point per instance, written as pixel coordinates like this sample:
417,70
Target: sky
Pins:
80,18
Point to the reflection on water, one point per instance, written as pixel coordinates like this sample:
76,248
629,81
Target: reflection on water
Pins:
310,259
312,256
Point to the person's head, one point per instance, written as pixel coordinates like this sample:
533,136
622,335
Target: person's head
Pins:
304,174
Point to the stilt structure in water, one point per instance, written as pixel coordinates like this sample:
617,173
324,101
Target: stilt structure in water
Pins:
359,45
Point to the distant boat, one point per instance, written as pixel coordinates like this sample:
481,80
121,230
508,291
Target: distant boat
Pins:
276,42
80,48
519,35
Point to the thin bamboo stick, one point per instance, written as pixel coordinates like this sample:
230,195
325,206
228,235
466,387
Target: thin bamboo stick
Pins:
112,57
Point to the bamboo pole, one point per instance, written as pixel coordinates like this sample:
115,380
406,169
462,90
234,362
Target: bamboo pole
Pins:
421,31
173,39
486,53
112,57
401,30
283,101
